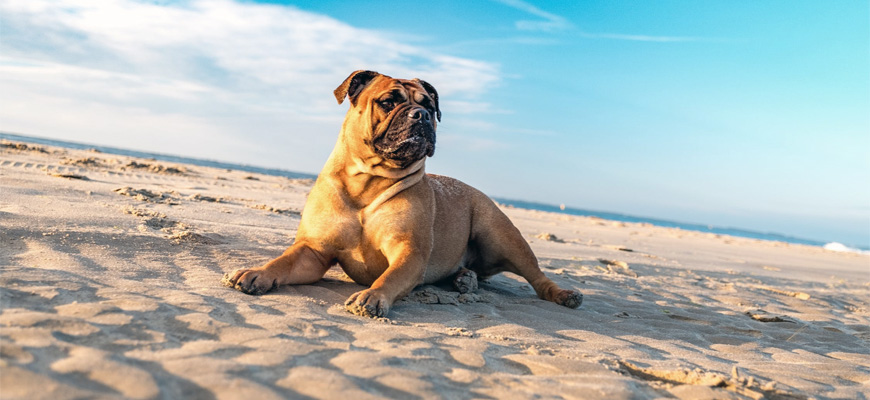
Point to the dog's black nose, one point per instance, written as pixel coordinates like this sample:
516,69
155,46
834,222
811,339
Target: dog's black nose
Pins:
418,114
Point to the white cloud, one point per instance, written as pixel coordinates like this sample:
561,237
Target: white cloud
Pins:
471,144
460,107
548,22
245,72
641,38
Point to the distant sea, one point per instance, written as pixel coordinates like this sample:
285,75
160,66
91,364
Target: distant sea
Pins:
672,224
514,203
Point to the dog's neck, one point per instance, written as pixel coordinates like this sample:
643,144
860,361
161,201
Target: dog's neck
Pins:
403,179
373,182
365,167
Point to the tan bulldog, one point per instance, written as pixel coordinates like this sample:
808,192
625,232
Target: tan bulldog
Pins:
390,226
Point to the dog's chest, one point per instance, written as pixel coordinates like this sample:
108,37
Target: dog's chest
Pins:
362,263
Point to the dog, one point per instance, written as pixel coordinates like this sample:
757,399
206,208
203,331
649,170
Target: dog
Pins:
390,226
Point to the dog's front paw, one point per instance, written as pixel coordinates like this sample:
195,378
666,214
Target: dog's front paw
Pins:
368,303
569,298
251,281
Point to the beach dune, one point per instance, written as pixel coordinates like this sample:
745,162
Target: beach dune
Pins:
110,271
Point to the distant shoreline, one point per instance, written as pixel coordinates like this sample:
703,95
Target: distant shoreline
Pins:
776,237
531,205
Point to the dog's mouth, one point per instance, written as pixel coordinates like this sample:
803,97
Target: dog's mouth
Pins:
405,143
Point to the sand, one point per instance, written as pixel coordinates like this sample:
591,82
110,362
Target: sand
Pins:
110,272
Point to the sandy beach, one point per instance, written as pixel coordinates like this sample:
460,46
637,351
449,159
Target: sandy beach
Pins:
110,275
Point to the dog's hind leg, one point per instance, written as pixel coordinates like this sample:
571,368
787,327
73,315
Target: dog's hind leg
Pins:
501,247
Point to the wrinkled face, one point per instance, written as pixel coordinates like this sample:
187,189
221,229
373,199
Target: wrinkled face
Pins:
403,121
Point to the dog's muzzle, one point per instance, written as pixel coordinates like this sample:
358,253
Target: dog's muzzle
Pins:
409,138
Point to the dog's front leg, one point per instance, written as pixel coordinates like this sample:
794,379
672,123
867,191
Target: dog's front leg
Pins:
299,265
405,271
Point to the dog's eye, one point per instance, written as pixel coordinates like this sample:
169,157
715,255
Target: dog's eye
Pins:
387,104
426,103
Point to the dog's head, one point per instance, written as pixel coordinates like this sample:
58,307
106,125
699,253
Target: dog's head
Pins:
401,115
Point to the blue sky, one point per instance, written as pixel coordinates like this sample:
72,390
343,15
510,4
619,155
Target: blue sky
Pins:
732,113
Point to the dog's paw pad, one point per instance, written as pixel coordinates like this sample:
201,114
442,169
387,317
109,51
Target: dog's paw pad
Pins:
249,281
465,282
368,303
227,280
366,310
569,298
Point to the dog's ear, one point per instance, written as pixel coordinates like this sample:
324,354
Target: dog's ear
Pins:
432,93
353,85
